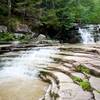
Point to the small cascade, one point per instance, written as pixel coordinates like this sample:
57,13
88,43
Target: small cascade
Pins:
86,35
27,63
90,34
19,72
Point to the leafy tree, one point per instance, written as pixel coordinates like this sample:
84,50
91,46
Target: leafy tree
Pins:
50,16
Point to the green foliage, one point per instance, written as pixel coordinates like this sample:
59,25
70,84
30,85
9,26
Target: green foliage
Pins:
24,39
82,82
11,37
6,36
12,23
76,79
53,20
85,85
83,69
3,8
56,15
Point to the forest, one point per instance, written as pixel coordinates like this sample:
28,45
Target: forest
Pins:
50,17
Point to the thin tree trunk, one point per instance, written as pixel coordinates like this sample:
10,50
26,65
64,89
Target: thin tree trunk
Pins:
53,4
9,14
9,8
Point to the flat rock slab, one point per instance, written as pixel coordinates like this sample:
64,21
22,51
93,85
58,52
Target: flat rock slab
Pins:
97,95
1,46
80,75
63,78
71,91
95,82
68,65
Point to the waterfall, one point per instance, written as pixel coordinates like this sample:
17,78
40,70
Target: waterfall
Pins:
87,37
90,33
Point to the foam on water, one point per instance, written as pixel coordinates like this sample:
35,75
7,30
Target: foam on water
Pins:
27,63
86,35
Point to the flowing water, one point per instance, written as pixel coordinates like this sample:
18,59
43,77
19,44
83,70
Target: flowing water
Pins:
90,34
19,73
87,37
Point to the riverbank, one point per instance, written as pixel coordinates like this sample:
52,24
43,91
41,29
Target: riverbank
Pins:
20,47
75,73
19,74
71,71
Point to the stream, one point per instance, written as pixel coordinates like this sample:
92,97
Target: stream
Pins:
62,72
20,77
19,73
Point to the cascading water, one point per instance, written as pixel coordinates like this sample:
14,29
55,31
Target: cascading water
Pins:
86,35
90,34
19,73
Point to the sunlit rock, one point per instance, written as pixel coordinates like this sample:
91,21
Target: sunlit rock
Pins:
3,28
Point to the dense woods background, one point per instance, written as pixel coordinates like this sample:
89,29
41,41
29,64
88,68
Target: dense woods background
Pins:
53,17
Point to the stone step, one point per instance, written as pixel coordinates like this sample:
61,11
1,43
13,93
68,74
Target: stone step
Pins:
95,82
71,91
97,95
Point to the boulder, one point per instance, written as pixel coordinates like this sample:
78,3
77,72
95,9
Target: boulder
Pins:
41,37
22,28
37,38
3,28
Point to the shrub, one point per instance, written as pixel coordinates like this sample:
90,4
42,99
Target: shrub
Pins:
7,36
12,23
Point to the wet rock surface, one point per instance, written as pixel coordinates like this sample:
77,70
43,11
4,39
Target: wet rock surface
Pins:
72,71
19,73
76,69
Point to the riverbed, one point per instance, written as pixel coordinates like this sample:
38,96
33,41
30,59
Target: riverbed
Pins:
20,73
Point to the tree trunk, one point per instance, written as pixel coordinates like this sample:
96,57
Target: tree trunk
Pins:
9,8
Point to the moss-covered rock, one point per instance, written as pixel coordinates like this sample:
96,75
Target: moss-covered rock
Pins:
83,83
83,69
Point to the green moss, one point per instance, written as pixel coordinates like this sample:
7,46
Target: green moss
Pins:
83,69
76,79
82,82
85,85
